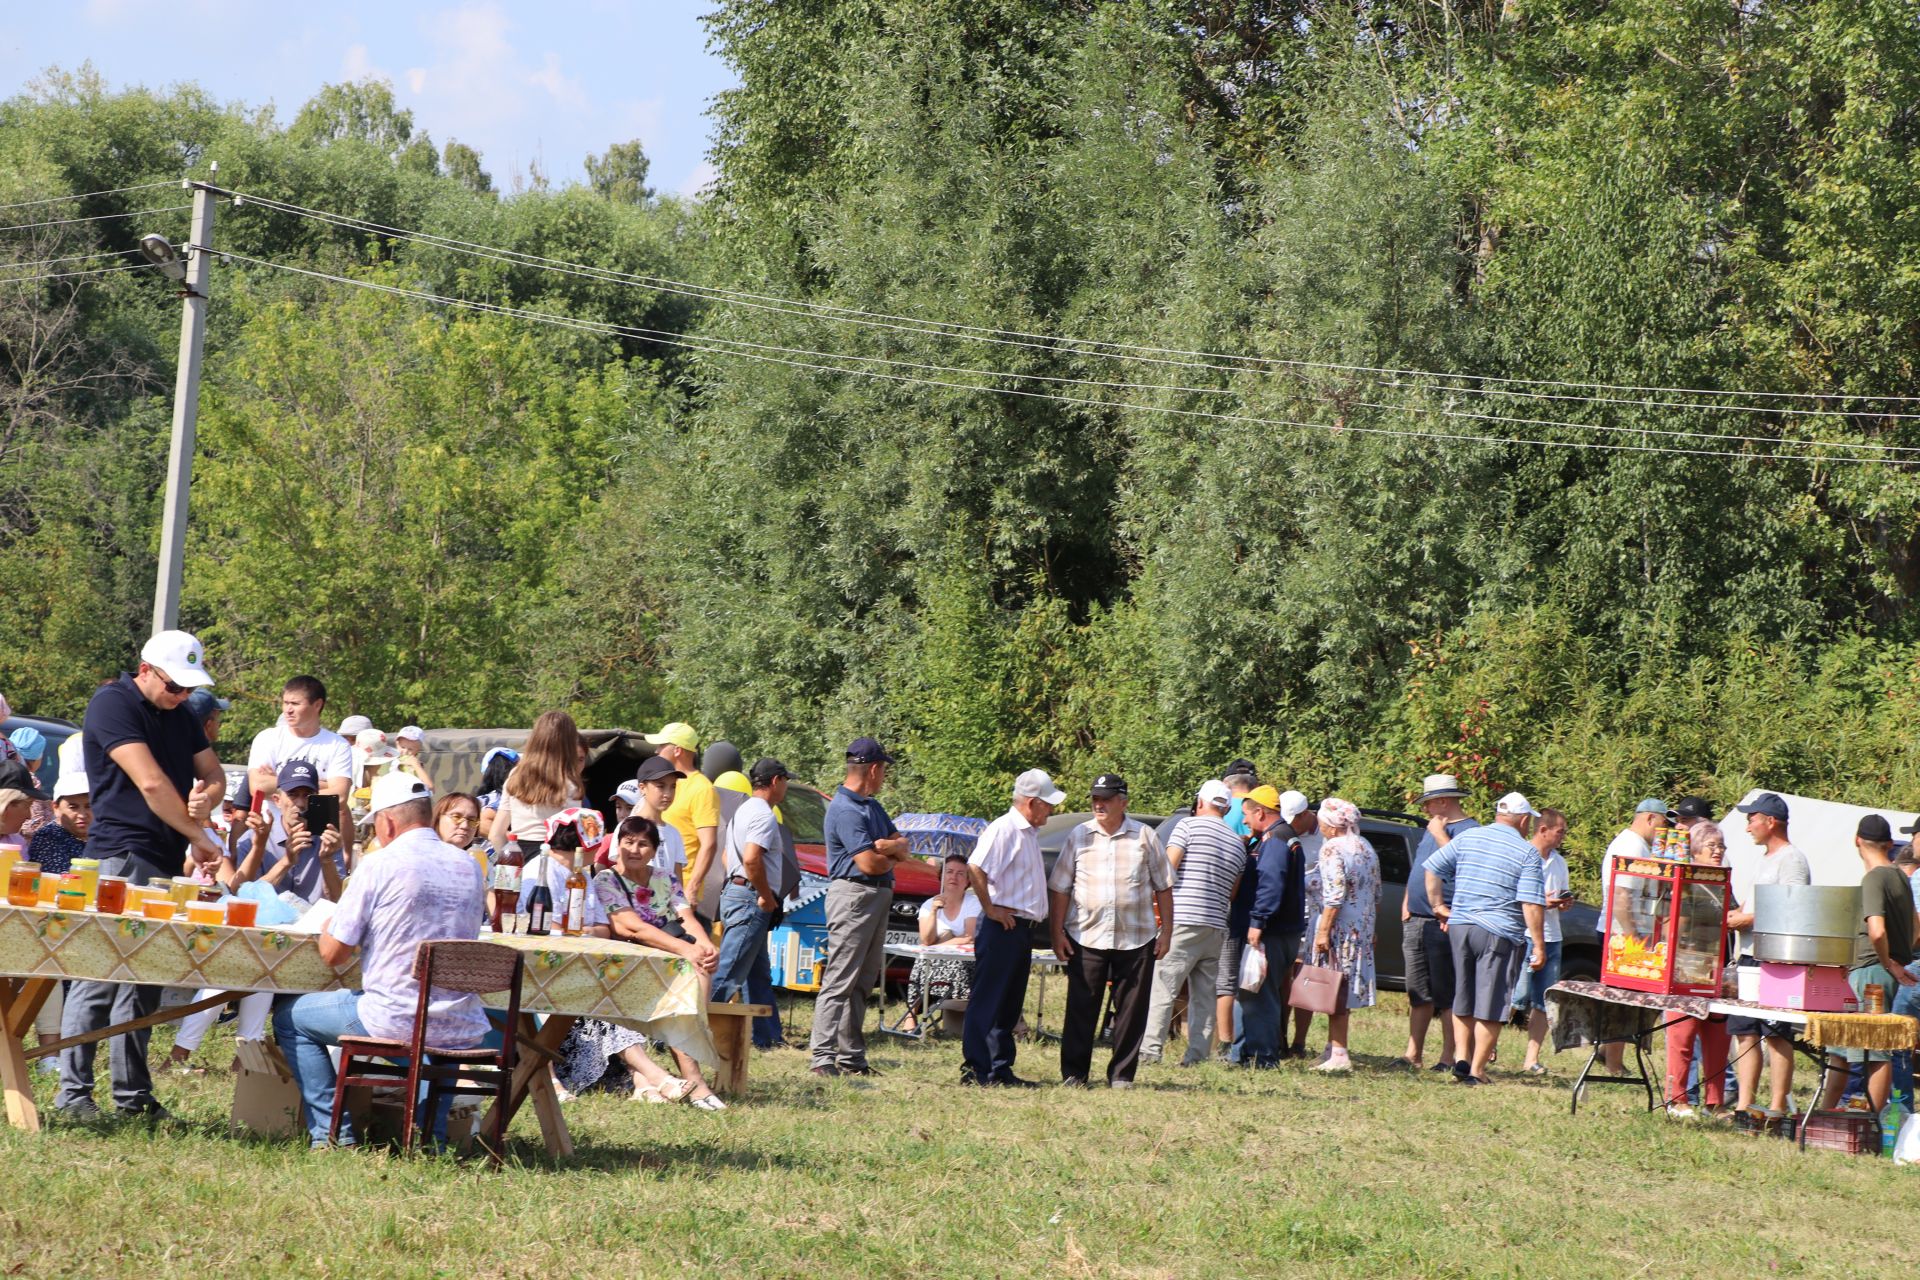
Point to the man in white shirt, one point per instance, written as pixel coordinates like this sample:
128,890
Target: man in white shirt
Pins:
299,735
1780,863
1009,879
420,890
1530,993
1634,841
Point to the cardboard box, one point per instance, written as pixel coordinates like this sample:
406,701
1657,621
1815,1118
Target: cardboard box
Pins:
266,1102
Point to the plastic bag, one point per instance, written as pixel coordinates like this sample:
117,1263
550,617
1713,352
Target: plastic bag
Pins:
1906,1147
1253,968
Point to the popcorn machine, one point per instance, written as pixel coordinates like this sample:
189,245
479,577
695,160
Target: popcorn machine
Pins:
1666,927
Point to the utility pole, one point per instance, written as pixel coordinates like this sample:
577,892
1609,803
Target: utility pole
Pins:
186,409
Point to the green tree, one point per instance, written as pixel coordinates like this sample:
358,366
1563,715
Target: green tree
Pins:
620,173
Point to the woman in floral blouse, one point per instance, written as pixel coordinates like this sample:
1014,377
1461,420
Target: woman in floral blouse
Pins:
646,905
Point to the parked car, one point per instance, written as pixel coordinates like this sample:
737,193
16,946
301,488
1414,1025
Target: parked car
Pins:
1394,837
54,731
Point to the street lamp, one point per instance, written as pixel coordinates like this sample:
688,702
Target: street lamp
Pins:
155,248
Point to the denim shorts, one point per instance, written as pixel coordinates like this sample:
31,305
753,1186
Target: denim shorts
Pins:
1530,992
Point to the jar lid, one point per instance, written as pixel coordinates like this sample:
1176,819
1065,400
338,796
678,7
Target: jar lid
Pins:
86,864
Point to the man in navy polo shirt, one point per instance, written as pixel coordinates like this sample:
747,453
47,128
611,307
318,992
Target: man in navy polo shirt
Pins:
862,850
154,779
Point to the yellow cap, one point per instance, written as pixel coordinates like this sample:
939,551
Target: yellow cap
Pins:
678,733
1264,796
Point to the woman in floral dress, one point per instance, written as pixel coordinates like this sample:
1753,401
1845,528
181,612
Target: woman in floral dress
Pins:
1343,933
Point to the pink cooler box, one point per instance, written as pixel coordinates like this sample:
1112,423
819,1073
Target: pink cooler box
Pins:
1808,987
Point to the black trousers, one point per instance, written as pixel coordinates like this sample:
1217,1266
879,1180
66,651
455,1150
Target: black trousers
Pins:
1002,961
1088,973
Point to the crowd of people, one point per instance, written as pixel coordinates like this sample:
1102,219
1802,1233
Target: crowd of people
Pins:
1253,901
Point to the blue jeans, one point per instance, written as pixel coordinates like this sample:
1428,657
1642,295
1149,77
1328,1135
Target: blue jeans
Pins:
304,1026
1906,1001
1530,992
1261,1013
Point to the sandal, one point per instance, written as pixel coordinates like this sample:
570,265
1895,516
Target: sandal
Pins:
709,1102
673,1089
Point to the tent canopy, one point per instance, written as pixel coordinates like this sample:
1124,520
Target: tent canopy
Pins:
452,757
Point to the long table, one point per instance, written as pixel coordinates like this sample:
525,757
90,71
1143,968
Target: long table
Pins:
565,979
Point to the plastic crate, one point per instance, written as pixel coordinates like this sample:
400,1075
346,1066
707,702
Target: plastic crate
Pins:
1855,1132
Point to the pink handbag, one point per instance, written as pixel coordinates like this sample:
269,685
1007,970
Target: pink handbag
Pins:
1317,988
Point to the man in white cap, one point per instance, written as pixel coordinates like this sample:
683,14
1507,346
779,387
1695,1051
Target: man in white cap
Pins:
695,811
420,889
1424,948
1010,880
154,781
1496,916
1208,858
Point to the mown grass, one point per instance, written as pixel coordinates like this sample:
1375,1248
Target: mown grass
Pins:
1208,1171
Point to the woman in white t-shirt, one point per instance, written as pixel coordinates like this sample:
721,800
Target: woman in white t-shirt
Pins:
545,781
949,918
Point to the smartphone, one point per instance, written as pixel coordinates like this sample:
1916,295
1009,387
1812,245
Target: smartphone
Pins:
323,812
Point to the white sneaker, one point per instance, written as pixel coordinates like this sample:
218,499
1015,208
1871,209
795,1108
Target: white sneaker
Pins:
1680,1111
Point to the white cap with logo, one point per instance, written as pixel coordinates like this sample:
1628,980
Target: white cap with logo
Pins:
1037,784
1214,792
390,789
179,657
1514,804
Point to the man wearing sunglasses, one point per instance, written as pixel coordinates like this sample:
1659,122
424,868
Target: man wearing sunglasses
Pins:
155,779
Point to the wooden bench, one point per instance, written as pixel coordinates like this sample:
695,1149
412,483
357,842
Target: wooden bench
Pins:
732,1029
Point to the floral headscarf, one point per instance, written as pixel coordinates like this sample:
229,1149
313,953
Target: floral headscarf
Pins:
1339,817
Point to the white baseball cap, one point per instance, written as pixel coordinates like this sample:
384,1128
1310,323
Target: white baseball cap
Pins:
1214,792
70,784
628,791
1292,805
179,657
412,731
354,725
390,789
369,739
1037,784
1513,803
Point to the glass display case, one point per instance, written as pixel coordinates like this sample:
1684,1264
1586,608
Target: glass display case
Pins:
1666,927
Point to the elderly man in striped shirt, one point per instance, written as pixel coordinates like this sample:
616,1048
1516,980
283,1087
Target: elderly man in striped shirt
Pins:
1208,858
1496,909
1112,915
1010,880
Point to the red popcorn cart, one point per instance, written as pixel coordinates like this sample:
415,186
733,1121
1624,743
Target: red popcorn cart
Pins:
1666,927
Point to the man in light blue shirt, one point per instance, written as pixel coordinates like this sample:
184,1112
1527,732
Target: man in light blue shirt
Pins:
1497,908
1241,777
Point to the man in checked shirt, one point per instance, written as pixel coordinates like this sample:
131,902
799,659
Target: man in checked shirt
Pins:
1111,897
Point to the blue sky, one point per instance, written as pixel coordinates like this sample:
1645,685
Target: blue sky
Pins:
520,82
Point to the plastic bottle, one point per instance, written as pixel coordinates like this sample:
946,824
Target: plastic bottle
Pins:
1891,1118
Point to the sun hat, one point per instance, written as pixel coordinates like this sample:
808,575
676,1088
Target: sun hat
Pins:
1440,786
70,784
29,742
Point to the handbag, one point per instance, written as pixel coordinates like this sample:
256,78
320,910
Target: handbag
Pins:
1318,988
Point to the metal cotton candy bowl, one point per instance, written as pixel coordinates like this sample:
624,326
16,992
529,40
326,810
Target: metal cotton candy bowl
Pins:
1805,923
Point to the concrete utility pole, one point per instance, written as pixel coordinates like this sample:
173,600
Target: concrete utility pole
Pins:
186,409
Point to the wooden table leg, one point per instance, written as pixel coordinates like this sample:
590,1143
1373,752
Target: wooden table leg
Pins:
731,1037
34,993
532,1079
14,1072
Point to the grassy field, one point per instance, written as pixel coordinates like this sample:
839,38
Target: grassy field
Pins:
1208,1171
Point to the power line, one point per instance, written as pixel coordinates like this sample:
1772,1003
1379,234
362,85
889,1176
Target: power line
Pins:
72,257
88,195
1089,346
69,275
705,346
98,217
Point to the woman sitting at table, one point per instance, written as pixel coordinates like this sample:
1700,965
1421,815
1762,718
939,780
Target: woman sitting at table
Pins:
1707,846
642,899
947,919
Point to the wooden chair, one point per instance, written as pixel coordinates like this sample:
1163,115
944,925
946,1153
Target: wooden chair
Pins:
451,964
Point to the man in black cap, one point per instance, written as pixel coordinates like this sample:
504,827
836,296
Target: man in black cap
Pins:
1882,957
862,850
1779,863
757,882
1111,910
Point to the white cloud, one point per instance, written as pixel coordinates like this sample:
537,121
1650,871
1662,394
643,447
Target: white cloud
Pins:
699,180
357,64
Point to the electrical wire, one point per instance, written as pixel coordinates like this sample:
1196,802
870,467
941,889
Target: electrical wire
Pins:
71,257
1096,347
69,275
98,217
88,195
706,346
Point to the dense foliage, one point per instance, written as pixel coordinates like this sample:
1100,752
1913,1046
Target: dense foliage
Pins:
1297,546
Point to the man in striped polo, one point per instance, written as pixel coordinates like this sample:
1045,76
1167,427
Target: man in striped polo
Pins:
1208,858
1496,910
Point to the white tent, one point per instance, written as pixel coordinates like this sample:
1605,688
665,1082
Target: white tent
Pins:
1821,829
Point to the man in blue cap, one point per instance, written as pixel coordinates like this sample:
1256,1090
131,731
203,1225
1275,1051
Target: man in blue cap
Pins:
862,850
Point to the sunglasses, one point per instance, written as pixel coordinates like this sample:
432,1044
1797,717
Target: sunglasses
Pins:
175,689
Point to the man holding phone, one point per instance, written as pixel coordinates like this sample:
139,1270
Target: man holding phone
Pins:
299,735
301,851
1530,992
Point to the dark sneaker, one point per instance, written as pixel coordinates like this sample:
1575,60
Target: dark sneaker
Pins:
1444,1066
80,1111
864,1069
1468,1080
826,1072
152,1114
1011,1081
